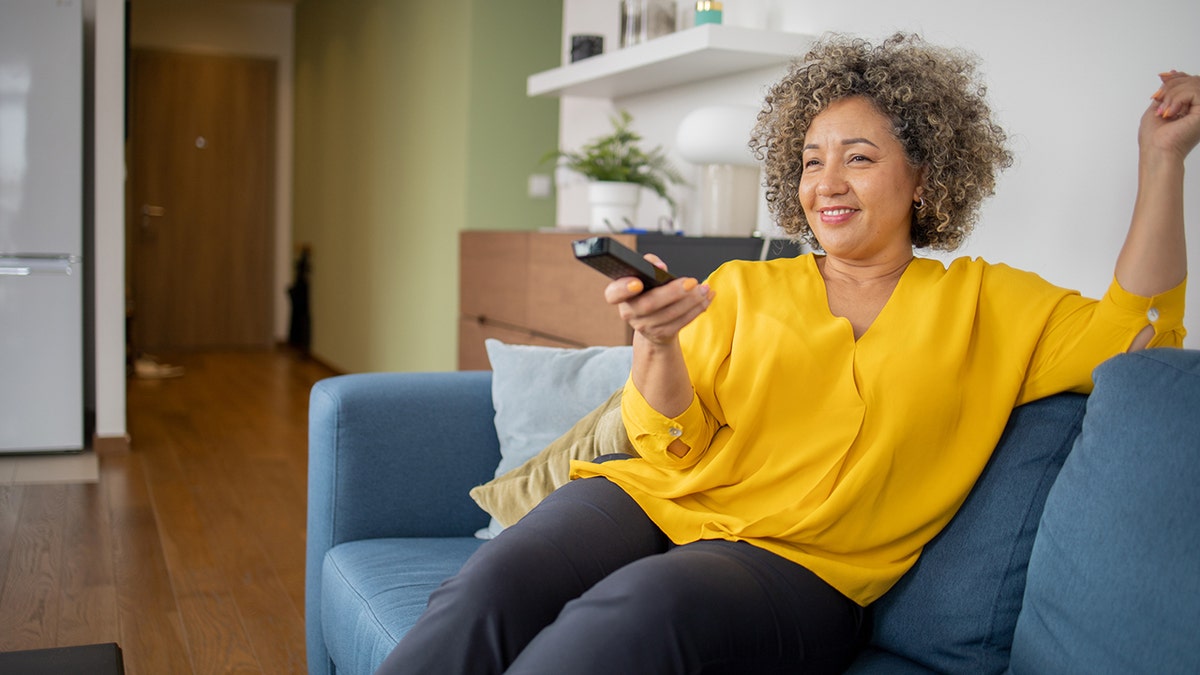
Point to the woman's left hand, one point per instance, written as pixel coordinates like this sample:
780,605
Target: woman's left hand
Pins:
1172,122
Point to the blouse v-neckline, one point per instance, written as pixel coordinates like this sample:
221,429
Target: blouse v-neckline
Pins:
823,288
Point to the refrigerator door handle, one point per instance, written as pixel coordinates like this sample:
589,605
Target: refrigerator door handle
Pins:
24,267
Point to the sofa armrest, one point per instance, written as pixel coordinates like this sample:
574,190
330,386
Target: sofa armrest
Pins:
393,455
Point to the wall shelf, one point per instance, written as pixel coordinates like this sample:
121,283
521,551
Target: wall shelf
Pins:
691,55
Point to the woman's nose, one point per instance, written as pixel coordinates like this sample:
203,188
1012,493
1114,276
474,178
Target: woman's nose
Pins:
831,182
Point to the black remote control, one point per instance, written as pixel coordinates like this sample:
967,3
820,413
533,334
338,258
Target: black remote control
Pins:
617,261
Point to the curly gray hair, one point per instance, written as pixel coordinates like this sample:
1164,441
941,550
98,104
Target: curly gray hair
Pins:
938,111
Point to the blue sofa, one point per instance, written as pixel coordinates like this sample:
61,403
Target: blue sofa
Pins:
1078,551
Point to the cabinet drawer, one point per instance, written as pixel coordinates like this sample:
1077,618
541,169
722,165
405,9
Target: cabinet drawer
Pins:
472,331
566,298
494,275
527,287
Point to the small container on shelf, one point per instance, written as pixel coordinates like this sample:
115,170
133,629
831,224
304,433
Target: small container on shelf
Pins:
644,20
631,23
658,18
586,46
708,11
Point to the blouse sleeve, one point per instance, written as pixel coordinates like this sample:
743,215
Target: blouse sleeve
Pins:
706,344
1081,333
651,432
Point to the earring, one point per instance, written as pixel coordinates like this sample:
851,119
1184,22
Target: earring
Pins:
920,204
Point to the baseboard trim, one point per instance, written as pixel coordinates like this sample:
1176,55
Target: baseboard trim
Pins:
325,364
110,444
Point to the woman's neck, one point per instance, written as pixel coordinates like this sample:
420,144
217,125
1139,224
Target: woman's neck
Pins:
855,273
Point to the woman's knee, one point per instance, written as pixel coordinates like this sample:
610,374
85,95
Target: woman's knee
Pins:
578,537
626,604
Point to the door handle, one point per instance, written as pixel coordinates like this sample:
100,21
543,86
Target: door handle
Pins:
151,211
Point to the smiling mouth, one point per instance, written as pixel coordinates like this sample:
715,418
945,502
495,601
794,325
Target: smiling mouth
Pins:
837,212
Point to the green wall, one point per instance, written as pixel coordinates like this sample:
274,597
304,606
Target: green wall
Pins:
509,132
412,125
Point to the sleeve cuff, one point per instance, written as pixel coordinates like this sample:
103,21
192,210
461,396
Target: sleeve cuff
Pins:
1163,311
651,432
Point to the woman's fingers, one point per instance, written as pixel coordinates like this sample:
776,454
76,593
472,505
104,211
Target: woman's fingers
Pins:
622,289
1178,93
661,313
655,260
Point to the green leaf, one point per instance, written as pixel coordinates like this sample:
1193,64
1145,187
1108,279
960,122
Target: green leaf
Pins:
618,156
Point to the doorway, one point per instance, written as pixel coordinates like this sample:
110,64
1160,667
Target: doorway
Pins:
201,201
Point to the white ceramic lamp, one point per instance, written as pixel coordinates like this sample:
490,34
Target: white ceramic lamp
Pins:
716,138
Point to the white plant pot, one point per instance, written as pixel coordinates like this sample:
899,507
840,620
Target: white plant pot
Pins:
614,205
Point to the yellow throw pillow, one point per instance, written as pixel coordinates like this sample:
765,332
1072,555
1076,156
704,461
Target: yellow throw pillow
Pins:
509,497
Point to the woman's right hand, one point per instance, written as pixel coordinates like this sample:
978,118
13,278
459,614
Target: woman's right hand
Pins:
658,371
659,314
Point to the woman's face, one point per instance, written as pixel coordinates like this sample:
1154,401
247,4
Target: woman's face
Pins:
857,188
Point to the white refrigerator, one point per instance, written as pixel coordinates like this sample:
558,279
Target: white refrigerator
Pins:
41,226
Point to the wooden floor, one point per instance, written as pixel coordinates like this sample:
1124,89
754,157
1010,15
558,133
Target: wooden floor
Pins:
189,552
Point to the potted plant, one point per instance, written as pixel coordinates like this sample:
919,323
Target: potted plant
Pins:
619,168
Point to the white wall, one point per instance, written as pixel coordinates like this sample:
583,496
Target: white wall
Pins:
1068,80
106,25
253,29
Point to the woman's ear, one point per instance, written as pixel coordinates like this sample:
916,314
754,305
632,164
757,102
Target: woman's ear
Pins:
922,176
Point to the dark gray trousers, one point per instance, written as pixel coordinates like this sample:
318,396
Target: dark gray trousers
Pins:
586,583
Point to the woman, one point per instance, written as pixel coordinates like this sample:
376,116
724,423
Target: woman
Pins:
806,425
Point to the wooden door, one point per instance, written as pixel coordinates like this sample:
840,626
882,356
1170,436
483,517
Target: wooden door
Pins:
201,133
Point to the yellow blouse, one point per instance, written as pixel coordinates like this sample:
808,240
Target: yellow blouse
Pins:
848,456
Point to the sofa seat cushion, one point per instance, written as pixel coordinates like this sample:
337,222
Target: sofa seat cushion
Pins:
373,591
1114,578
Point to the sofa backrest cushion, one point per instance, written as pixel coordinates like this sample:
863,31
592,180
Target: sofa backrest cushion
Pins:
1114,579
955,610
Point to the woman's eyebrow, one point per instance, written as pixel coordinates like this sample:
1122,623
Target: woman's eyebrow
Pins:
848,141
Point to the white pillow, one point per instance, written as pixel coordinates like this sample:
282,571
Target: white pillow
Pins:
539,393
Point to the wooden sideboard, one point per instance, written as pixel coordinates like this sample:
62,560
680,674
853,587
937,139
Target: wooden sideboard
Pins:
527,287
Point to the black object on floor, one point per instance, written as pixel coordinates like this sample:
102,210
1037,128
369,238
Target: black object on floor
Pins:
101,659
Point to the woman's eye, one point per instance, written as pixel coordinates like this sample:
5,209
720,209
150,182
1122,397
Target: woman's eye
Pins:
808,163
860,158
